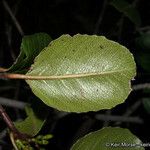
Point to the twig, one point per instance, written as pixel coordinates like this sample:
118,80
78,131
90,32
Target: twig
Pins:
144,28
133,108
119,118
9,36
130,110
99,21
9,30
7,120
13,18
106,122
3,69
11,126
12,103
141,86
13,141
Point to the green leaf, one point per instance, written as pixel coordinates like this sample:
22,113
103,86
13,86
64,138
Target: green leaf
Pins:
34,121
82,73
108,138
128,10
31,46
146,104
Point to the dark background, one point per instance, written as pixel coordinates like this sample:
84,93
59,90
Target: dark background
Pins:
57,17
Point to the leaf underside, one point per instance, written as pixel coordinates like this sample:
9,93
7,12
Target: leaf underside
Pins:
112,64
108,138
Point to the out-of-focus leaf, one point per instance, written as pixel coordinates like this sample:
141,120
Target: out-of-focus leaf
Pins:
35,120
144,42
82,73
143,53
31,46
108,138
146,104
128,10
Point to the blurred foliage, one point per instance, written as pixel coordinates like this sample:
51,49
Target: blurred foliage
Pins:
146,103
128,10
31,46
143,55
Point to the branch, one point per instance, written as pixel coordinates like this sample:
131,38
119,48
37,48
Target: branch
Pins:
7,120
12,103
130,110
11,126
141,86
13,141
106,122
119,118
3,69
13,18
133,108
98,23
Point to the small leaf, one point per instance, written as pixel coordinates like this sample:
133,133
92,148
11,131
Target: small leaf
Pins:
128,10
108,138
31,46
89,73
34,122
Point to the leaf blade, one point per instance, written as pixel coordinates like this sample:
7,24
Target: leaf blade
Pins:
108,138
34,121
83,54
